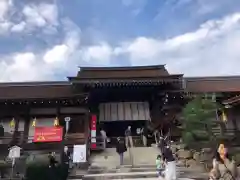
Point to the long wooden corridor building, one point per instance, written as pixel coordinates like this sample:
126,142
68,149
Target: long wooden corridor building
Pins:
103,94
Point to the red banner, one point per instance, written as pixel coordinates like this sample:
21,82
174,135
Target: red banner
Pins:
93,131
94,122
48,134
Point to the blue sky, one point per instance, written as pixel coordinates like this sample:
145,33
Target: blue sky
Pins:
49,39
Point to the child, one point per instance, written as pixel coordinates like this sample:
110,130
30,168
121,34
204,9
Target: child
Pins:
160,166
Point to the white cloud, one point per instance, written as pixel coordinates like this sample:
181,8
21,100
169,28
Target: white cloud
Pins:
49,12
30,66
32,17
41,15
23,67
62,55
57,54
98,55
212,49
5,6
5,24
4,27
19,27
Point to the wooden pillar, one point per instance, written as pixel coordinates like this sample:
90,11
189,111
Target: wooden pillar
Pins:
27,120
15,136
87,133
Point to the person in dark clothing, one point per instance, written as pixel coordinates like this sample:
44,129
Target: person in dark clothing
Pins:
121,149
162,144
65,159
1,133
52,166
1,130
169,159
128,137
52,160
144,133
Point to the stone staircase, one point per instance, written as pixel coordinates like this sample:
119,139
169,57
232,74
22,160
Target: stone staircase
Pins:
105,165
134,156
137,172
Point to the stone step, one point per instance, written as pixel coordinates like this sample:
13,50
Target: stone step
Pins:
130,169
154,179
109,158
139,173
122,175
135,168
151,179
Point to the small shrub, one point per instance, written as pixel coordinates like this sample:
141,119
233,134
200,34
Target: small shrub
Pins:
40,171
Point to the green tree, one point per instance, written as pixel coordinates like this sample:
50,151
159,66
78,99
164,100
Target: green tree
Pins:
198,120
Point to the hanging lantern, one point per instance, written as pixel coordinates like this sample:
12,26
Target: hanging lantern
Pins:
34,122
224,116
56,122
12,123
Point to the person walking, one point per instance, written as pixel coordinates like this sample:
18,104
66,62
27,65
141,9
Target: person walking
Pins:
170,172
128,137
104,138
65,160
121,149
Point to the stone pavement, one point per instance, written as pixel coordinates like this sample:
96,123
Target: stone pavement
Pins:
155,179
142,172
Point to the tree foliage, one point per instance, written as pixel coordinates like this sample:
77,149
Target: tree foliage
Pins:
198,119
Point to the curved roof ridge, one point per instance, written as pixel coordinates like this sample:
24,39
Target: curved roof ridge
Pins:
87,68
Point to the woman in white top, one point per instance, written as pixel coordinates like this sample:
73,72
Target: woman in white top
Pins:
214,173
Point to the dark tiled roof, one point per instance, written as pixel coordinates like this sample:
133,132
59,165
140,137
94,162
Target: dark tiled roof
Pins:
35,90
122,72
170,78
213,84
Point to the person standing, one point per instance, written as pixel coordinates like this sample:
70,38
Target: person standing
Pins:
144,132
170,172
160,166
128,137
1,133
104,138
52,160
162,143
156,136
52,174
65,159
121,149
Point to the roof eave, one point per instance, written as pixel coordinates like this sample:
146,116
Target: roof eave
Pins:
87,68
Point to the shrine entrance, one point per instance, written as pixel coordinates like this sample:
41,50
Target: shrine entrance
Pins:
115,118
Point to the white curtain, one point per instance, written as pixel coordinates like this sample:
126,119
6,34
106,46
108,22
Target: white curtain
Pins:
124,111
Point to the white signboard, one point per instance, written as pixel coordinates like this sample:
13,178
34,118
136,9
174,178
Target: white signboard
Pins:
79,153
67,119
14,152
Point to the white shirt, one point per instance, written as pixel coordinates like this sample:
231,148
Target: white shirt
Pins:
14,152
103,133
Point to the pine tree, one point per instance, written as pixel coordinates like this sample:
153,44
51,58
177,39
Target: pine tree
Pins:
198,120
